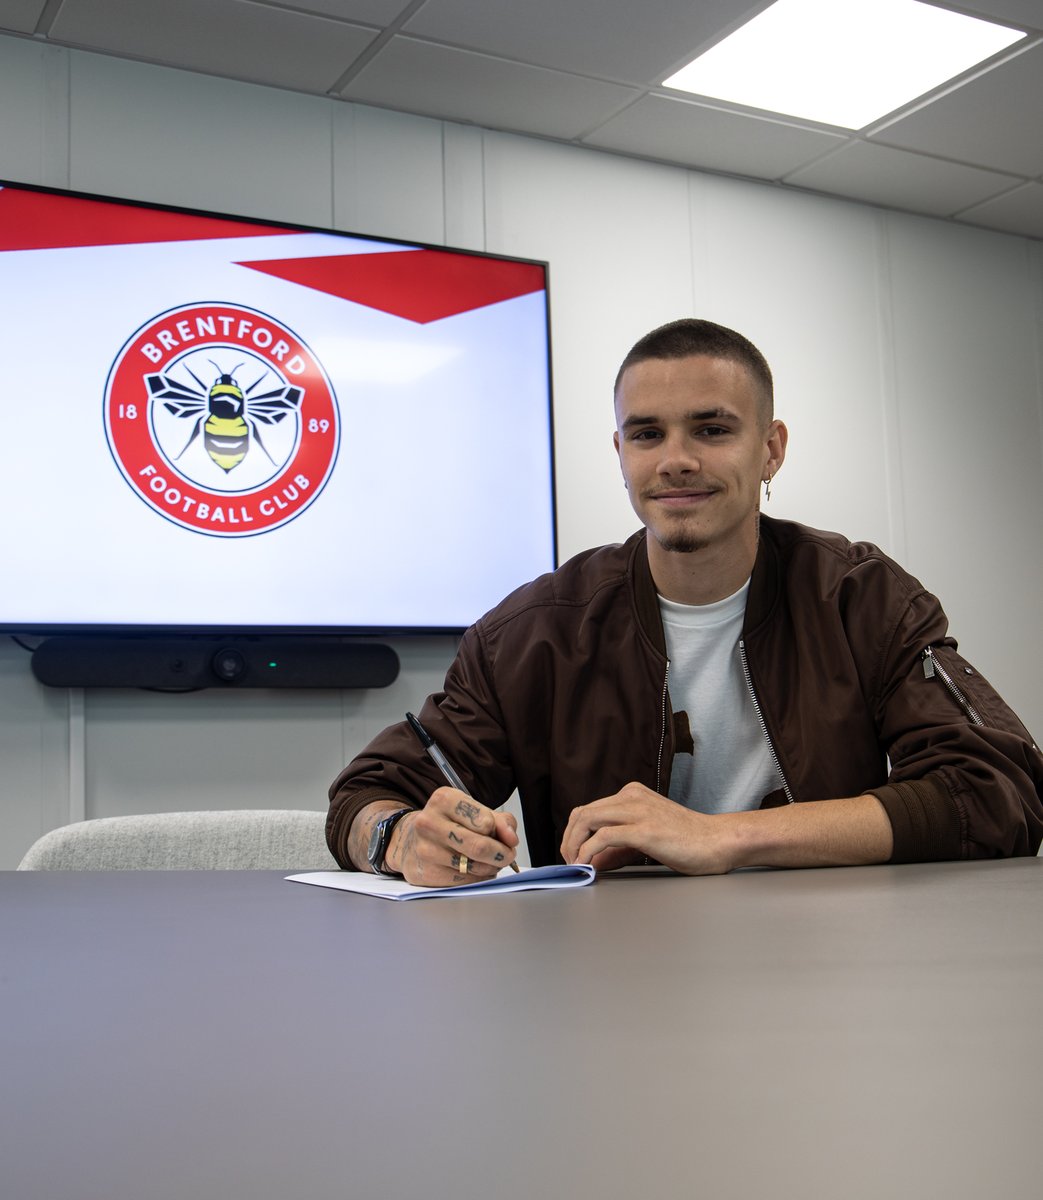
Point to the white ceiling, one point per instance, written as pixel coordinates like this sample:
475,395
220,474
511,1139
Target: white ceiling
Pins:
589,72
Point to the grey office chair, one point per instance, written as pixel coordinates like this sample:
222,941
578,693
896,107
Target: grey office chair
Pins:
237,840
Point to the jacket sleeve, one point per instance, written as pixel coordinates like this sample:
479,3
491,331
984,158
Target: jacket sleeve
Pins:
966,777
464,719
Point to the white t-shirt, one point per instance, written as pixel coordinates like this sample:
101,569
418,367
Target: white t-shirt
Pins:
732,767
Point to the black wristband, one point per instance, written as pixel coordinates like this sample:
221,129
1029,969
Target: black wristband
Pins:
380,839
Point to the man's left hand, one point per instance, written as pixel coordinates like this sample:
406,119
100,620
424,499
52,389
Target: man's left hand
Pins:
636,822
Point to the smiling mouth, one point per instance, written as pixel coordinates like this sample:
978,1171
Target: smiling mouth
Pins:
680,496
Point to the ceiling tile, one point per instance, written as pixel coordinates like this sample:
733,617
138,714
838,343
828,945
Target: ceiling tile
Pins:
612,39
20,16
1020,211
699,135
899,179
233,38
1027,13
369,12
991,121
445,82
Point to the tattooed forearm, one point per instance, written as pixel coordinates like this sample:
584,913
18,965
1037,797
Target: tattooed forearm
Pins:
358,837
407,843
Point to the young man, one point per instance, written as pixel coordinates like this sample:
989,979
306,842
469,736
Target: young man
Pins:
722,690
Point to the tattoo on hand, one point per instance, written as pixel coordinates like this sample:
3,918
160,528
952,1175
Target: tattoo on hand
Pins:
408,842
499,858
453,838
470,811
455,863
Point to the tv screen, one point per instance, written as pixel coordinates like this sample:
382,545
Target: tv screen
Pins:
212,424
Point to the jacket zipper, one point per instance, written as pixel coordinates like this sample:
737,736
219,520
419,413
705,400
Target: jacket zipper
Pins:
662,728
932,667
760,718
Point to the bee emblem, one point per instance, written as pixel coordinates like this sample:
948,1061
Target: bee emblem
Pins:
227,415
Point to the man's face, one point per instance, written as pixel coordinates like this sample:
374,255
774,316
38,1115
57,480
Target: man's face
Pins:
694,449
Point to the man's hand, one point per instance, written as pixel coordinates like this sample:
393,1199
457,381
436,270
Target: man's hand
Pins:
637,821
452,839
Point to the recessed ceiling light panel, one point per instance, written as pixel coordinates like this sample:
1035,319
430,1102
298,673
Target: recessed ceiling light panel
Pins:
842,62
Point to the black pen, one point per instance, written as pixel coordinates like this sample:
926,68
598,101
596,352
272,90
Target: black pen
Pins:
443,764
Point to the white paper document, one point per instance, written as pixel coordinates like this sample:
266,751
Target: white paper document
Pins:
537,878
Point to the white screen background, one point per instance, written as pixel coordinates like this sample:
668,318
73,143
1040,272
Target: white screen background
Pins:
439,504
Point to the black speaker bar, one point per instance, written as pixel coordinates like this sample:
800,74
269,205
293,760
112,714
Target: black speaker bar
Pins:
187,664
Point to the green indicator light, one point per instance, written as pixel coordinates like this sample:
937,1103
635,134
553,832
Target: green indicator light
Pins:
273,664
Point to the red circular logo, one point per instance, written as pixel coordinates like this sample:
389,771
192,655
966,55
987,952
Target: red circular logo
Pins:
221,419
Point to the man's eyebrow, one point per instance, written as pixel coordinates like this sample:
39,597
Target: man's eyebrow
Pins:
712,414
706,414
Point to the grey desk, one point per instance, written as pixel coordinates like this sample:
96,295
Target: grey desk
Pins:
843,1034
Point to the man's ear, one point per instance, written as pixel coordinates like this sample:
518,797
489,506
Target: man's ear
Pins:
615,442
776,442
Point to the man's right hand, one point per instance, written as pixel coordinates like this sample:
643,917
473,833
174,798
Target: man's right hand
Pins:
453,839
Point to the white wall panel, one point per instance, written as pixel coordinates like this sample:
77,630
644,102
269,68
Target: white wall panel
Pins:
34,112
616,235
241,749
966,339
387,174
34,756
248,750
464,175
151,133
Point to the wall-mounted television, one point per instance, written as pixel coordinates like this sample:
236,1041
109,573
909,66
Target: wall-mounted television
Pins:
218,427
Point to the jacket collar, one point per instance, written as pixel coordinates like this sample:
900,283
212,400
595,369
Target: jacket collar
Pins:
646,599
764,583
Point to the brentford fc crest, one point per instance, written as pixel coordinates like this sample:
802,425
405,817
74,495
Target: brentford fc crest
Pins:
221,419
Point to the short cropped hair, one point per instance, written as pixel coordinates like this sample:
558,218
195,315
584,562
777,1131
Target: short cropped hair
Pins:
681,339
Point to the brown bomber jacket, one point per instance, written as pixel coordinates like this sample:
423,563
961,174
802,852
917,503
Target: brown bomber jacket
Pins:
561,691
